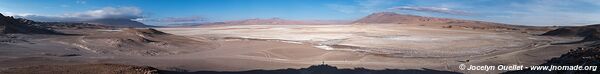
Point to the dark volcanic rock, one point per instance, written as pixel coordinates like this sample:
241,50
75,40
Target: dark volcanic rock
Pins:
581,31
593,36
18,25
67,25
589,56
590,32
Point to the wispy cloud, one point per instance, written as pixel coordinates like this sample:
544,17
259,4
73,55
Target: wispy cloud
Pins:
343,8
554,12
81,2
370,6
431,9
64,5
361,6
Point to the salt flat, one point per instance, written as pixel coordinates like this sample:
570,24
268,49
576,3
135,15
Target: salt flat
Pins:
392,40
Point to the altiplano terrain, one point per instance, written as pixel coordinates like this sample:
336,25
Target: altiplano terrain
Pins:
427,44
376,46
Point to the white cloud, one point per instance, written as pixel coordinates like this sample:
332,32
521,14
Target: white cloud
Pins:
103,13
109,12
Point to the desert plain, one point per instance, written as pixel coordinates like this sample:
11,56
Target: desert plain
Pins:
268,47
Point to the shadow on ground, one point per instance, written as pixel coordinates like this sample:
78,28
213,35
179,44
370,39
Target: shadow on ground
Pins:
587,56
321,69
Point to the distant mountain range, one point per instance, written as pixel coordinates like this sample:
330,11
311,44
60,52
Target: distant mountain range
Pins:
394,18
375,18
269,21
11,25
116,22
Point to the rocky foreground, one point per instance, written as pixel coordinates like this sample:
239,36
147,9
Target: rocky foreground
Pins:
82,69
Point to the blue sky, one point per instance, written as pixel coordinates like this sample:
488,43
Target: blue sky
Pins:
161,12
